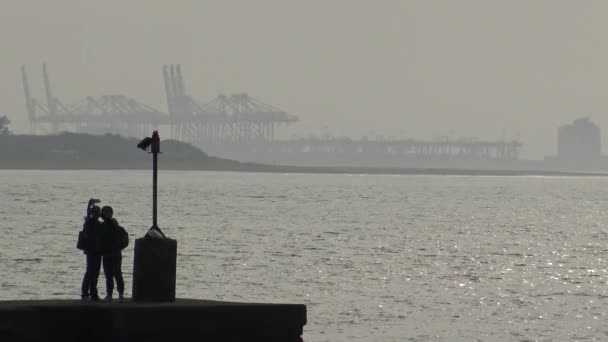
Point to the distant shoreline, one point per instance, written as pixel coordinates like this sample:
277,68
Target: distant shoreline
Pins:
68,151
255,168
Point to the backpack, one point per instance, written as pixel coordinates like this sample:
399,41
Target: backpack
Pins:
123,238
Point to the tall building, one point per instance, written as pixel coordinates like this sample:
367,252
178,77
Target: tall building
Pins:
579,142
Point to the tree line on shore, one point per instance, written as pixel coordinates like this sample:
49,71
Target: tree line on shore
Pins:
109,151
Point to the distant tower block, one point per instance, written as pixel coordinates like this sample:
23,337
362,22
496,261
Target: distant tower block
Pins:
579,142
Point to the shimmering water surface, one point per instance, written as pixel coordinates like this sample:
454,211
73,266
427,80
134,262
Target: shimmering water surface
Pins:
375,258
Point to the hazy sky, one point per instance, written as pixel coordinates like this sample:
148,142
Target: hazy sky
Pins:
422,69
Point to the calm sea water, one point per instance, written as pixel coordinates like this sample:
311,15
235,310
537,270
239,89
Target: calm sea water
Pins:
375,258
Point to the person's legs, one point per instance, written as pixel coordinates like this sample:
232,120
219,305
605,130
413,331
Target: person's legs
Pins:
85,281
108,270
120,283
93,268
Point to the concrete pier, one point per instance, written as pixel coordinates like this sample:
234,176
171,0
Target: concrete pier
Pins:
182,320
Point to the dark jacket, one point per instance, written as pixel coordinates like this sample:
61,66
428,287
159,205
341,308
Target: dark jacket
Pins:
89,239
114,238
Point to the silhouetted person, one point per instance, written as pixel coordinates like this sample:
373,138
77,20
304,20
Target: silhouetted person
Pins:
89,240
115,239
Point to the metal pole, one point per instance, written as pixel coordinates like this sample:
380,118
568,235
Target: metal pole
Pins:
154,188
155,152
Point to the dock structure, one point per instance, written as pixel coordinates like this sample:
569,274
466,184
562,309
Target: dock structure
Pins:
182,320
235,118
448,148
236,126
117,114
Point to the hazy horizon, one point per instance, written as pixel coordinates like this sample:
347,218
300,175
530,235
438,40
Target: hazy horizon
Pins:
416,69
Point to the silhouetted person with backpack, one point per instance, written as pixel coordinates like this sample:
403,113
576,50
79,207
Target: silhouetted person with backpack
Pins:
114,240
89,241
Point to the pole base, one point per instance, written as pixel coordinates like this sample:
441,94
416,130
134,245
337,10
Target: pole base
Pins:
154,269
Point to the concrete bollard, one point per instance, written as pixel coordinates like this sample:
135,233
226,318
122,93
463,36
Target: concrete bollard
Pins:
154,268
